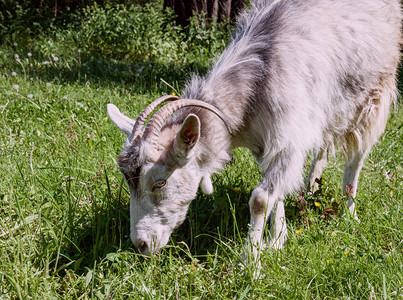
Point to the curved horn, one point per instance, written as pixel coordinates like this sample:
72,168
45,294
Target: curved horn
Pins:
138,126
158,120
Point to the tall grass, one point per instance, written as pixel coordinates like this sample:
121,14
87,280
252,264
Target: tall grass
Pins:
64,220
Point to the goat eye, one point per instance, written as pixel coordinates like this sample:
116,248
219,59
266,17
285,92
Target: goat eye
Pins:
159,184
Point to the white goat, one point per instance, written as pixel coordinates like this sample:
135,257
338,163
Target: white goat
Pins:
297,76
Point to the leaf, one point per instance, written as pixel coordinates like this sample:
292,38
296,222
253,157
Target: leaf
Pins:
88,277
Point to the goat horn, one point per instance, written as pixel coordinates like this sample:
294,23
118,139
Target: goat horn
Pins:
158,120
138,126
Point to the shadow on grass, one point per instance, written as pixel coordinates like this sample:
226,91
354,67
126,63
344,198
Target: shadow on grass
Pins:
400,82
136,76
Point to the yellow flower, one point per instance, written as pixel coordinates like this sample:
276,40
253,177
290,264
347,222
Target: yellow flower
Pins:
299,231
347,252
391,192
173,94
237,189
390,244
333,234
317,204
329,261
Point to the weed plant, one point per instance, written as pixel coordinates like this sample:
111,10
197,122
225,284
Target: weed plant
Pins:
64,219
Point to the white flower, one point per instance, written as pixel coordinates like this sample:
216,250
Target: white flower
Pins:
30,96
79,50
17,57
29,54
13,74
15,44
46,62
55,58
16,87
48,84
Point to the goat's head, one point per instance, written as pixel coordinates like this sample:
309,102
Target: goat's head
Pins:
161,167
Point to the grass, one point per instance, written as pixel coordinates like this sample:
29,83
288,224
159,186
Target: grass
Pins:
64,220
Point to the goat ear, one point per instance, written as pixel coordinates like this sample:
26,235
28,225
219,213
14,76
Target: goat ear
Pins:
121,121
188,136
207,186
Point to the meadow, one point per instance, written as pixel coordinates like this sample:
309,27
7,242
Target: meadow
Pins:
64,219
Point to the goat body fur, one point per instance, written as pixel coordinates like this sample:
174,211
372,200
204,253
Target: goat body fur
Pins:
297,77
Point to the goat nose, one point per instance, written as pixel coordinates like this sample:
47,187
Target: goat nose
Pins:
141,245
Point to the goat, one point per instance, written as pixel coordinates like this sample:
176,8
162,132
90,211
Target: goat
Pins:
297,77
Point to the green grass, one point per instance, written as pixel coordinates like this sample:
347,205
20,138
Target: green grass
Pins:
64,221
